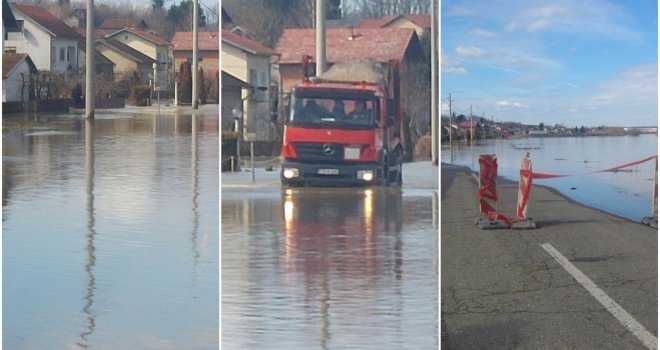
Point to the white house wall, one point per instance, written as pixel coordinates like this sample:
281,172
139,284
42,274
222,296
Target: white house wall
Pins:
11,86
70,60
34,41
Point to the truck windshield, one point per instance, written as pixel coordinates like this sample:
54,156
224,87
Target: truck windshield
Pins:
333,112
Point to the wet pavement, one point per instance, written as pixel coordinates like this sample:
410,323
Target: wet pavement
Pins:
110,231
329,269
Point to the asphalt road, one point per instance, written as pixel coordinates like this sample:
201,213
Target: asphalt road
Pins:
501,289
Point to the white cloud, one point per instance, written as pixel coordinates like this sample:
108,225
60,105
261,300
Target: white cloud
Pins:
454,70
505,103
482,33
470,52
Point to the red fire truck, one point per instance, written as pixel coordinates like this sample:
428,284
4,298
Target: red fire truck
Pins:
345,128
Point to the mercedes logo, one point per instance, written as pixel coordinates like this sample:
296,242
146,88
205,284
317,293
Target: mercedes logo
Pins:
328,149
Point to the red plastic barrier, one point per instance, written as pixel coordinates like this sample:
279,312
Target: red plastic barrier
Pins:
541,176
487,194
524,188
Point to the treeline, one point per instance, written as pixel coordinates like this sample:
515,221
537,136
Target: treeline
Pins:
163,21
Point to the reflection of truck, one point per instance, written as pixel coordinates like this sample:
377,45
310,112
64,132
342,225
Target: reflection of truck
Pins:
345,127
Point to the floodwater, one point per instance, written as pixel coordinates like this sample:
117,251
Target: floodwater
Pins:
110,232
329,269
627,193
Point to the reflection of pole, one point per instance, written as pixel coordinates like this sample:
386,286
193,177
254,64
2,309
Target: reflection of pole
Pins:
195,194
91,256
451,154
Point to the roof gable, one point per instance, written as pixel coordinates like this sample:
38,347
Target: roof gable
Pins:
126,50
143,34
246,44
11,61
345,44
50,23
183,41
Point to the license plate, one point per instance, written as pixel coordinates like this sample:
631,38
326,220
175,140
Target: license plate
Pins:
328,171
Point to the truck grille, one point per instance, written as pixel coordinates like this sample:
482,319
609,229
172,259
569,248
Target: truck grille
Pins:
328,153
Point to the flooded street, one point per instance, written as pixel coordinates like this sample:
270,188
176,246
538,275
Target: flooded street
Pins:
329,269
110,232
627,192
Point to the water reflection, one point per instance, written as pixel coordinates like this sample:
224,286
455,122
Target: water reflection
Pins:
329,269
132,205
91,256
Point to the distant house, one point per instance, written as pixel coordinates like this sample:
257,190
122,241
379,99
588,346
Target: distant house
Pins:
209,51
111,25
51,44
420,23
103,64
468,128
14,67
126,59
250,61
156,48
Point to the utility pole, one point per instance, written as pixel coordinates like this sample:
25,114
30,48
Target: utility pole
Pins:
195,57
434,91
90,96
471,132
320,37
450,127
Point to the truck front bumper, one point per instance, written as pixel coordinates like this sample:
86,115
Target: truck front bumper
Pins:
304,174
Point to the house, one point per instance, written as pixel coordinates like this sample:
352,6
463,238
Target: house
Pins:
126,59
149,45
468,128
232,88
209,51
77,18
51,44
103,64
420,23
15,67
209,55
112,25
347,44
250,61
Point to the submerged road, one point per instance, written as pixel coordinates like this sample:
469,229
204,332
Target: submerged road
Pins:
583,280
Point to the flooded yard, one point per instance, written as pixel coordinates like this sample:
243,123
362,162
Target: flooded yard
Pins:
110,232
329,269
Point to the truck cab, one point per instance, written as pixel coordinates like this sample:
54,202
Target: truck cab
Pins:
342,134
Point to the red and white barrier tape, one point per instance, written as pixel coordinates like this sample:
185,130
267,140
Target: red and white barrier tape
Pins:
541,176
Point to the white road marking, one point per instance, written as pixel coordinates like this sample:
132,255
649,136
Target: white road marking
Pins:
649,340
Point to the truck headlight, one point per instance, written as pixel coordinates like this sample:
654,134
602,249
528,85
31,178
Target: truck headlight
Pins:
366,175
290,173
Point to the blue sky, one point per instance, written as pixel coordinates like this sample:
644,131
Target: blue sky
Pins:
587,62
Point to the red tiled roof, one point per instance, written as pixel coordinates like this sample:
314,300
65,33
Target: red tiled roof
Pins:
139,32
49,22
378,44
423,21
245,44
183,41
97,33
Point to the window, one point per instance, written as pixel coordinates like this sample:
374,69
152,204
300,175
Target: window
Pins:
52,54
62,53
70,53
253,78
263,81
125,37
